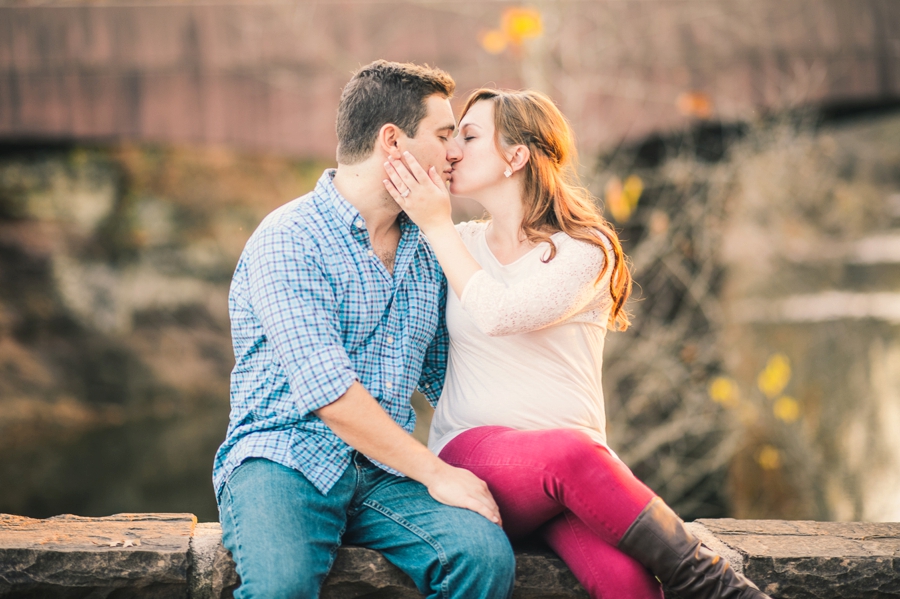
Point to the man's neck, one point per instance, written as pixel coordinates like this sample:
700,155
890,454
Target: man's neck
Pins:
361,185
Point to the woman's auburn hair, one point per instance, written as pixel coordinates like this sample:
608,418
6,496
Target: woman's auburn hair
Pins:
553,197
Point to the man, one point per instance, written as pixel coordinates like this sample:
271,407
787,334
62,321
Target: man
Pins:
337,312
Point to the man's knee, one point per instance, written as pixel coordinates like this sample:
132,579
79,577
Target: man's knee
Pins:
485,553
292,587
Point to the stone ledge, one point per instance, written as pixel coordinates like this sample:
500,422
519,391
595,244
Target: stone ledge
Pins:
162,556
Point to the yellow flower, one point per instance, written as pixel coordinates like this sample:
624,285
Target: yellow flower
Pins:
786,408
775,376
768,458
724,391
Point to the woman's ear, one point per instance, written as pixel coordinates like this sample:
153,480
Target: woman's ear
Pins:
389,140
519,157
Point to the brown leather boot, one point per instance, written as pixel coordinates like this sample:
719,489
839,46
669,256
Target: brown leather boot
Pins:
659,540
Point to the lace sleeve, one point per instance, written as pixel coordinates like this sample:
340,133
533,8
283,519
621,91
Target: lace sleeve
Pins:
551,293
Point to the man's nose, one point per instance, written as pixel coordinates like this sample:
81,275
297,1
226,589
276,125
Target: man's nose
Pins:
454,151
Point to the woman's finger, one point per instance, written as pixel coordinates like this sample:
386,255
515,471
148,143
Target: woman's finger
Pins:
436,178
404,173
415,168
392,189
395,178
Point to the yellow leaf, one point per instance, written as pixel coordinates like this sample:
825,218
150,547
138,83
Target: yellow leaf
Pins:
633,188
769,458
775,376
696,104
724,391
615,200
519,24
786,409
493,41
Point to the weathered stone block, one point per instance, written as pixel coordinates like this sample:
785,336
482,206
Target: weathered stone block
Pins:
816,560
133,555
360,573
167,556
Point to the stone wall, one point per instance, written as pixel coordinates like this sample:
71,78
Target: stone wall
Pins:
171,555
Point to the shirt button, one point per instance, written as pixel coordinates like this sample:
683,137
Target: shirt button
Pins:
371,253
389,385
358,223
390,339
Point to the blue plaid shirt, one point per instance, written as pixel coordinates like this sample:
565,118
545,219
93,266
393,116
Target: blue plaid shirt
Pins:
313,310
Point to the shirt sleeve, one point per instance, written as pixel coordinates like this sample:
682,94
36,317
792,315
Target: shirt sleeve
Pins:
550,293
434,367
295,302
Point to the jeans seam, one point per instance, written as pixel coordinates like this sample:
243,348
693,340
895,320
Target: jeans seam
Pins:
332,556
584,554
234,527
431,541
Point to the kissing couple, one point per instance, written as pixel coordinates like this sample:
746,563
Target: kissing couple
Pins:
347,299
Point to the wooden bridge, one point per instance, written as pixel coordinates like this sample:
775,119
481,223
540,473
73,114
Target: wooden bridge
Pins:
266,75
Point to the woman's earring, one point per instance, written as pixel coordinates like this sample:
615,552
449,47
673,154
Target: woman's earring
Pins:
508,172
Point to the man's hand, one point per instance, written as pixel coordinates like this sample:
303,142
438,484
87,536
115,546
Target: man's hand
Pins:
358,419
460,488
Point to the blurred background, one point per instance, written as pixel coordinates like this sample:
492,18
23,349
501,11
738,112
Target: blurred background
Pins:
748,151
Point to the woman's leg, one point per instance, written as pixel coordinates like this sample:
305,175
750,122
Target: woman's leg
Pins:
602,569
534,475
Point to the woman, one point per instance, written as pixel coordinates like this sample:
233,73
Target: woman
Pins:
535,288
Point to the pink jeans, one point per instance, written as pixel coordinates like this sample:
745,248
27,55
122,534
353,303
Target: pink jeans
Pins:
572,491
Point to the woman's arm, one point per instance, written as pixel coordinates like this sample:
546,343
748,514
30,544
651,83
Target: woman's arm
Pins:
556,291
428,205
553,292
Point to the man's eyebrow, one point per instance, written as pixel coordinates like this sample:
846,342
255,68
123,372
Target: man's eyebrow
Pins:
448,127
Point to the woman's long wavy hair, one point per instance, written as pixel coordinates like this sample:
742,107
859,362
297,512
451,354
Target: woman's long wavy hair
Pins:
553,197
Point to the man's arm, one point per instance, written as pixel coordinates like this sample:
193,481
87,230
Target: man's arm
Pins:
295,305
358,419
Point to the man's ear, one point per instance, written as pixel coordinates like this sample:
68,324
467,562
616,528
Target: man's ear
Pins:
389,137
519,157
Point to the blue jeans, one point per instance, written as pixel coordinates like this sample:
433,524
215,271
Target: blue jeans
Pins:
284,534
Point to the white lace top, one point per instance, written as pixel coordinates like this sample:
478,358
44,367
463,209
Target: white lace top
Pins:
526,342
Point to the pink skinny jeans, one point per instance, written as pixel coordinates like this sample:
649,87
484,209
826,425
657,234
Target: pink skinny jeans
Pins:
572,491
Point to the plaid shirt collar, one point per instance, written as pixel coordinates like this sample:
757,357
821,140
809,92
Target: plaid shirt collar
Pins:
347,212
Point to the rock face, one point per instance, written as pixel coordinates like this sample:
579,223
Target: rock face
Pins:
169,556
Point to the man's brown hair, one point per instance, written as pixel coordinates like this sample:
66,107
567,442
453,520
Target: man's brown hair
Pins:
380,93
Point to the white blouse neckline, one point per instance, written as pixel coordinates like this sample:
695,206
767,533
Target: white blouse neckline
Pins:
490,253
